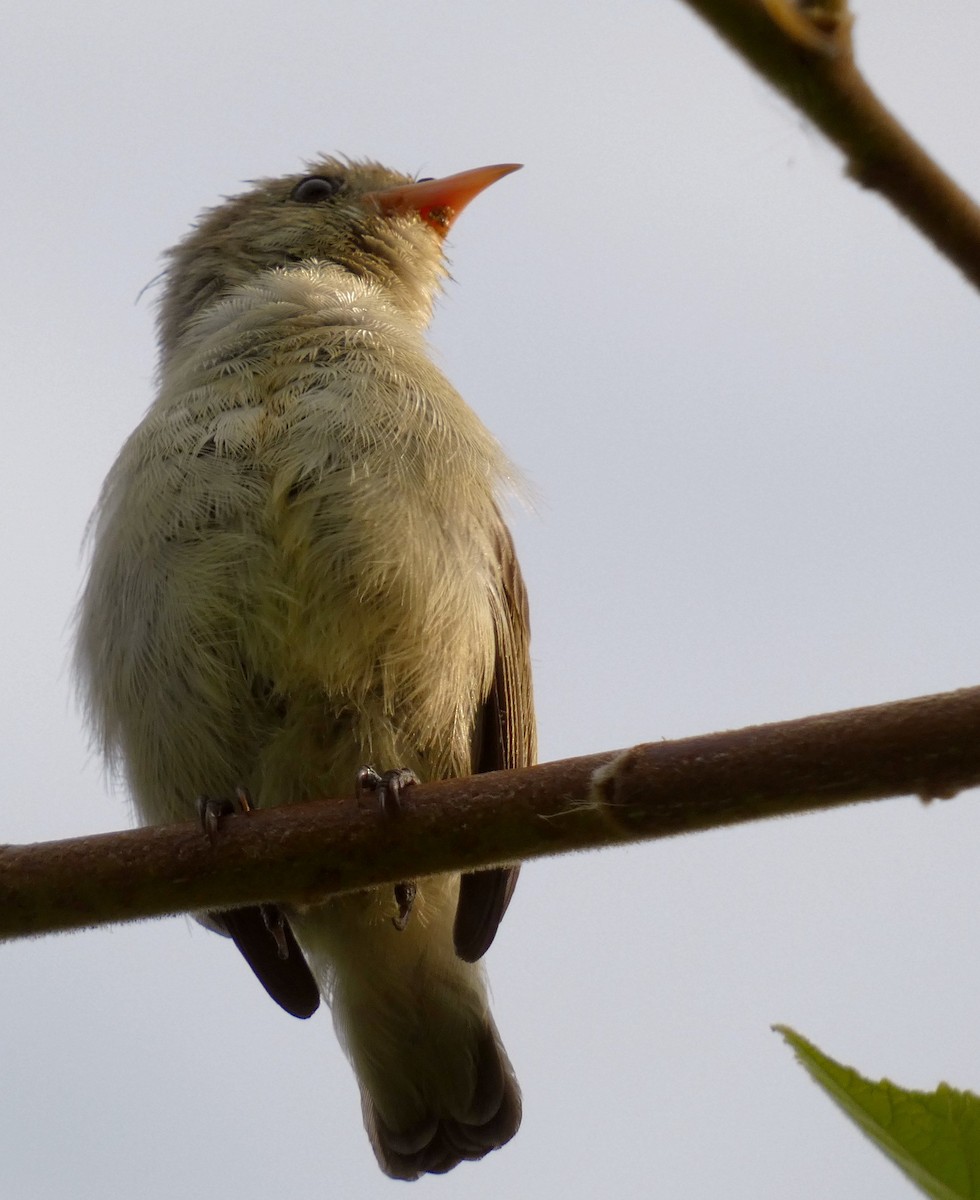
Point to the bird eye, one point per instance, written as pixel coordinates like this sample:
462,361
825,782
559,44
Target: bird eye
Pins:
427,179
315,188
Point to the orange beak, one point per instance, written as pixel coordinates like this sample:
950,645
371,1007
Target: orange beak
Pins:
439,201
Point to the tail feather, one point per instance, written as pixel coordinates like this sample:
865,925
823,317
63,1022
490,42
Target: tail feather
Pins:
436,1085
440,1142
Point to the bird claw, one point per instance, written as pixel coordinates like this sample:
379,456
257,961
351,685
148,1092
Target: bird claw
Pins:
405,894
210,810
275,922
389,790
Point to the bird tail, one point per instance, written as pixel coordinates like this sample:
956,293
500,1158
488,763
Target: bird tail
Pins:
450,1133
437,1087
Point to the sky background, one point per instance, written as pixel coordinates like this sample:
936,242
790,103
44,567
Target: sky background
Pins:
744,394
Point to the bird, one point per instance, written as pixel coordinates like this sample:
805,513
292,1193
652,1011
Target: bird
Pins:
299,571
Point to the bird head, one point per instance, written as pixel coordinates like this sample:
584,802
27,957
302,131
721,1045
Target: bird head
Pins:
378,224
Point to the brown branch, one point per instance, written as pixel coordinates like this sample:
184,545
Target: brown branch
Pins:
928,746
804,50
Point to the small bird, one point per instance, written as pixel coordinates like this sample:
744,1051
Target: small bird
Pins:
299,567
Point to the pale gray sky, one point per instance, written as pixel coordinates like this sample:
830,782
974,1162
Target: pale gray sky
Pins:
745,395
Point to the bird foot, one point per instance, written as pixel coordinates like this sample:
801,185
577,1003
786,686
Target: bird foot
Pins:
389,790
210,810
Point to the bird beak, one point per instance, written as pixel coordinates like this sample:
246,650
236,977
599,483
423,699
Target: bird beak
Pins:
439,201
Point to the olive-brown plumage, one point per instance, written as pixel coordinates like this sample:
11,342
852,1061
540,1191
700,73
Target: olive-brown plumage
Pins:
299,567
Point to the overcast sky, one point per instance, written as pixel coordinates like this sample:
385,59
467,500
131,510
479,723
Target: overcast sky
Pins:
745,396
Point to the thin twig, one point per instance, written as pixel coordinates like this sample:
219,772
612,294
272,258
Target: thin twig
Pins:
928,746
805,51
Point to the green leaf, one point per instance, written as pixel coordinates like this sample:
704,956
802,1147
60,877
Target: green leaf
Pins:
933,1136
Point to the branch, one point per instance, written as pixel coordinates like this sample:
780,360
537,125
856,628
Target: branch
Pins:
803,48
304,852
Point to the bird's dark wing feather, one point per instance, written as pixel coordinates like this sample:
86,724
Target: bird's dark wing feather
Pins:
504,737
287,980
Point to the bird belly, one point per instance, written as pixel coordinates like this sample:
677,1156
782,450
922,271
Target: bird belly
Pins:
278,633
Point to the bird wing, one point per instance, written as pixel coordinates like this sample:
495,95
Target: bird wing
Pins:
286,977
504,737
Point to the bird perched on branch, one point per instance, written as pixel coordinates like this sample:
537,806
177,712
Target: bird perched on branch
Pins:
299,567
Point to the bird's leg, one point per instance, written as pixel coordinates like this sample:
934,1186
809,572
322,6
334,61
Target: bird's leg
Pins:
389,790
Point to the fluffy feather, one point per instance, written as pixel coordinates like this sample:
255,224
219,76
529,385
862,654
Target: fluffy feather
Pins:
299,567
